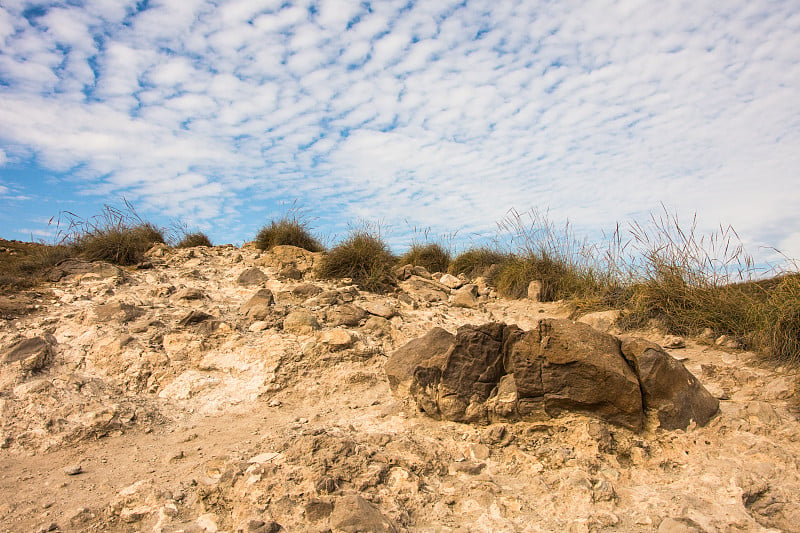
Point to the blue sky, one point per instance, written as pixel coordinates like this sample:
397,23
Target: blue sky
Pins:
440,115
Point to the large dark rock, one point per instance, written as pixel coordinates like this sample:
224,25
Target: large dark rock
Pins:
252,276
426,351
495,372
259,306
669,388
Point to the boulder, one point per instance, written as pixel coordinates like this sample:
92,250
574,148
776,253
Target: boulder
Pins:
498,372
669,388
429,350
335,339
425,290
259,305
252,276
31,354
602,320
535,291
306,290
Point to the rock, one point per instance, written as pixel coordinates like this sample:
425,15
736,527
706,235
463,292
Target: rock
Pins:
208,522
466,296
382,309
316,510
252,276
448,280
300,322
336,339
77,267
195,317
259,306
676,395
496,370
377,325
602,320
429,350
32,354
352,513
345,315
679,525
282,256
425,290
189,293
535,291
306,290
257,525
673,342
290,272
135,514
116,311
73,470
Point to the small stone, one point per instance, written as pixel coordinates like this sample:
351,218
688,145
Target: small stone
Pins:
479,452
469,467
258,325
252,276
353,513
535,291
175,456
451,281
189,294
73,470
381,309
316,510
673,342
129,515
194,317
262,458
300,322
336,339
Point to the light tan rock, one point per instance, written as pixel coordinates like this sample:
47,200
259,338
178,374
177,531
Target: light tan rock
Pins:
300,322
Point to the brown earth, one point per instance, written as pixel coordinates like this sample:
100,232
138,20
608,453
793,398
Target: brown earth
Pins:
159,404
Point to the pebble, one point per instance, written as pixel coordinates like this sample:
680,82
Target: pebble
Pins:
73,470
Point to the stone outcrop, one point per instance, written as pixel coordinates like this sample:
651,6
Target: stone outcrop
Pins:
496,371
31,354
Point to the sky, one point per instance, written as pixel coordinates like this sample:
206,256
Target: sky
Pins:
426,117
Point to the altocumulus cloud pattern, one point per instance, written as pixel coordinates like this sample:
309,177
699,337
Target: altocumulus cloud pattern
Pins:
442,114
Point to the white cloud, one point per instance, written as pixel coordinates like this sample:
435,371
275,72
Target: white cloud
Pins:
446,114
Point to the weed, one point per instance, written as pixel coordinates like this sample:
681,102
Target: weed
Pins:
480,261
190,240
364,257
433,256
291,229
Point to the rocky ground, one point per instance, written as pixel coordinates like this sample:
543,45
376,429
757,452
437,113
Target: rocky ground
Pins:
224,389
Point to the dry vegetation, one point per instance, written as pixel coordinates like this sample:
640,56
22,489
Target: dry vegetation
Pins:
662,272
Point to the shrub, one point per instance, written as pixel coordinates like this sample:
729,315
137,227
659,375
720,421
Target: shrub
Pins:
291,230
119,236
432,256
364,257
190,240
24,264
478,262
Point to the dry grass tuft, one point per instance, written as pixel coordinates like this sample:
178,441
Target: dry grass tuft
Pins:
191,240
363,257
433,256
480,261
292,230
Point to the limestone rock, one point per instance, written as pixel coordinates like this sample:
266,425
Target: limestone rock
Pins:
77,267
117,311
379,308
259,305
535,291
252,276
466,296
300,322
345,315
282,256
448,280
306,290
352,514
32,354
670,389
602,320
429,350
425,290
335,339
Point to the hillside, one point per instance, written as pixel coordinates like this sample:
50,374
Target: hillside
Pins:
227,389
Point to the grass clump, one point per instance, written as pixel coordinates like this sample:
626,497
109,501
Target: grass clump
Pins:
433,257
364,257
24,264
480,261
191,240
288,230
118,236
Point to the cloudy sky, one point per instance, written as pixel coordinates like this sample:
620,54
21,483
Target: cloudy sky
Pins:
434,114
